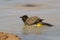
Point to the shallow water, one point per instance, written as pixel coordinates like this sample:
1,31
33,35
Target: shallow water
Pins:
11,10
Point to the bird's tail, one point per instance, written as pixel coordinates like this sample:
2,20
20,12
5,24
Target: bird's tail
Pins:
47,24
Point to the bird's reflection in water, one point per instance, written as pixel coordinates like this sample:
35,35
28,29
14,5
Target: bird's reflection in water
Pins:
34,30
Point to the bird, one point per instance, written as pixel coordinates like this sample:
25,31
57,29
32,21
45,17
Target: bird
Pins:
34,20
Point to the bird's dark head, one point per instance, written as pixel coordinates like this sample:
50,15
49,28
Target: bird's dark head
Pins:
24,17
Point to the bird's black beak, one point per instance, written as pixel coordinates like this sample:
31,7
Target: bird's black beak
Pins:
20,16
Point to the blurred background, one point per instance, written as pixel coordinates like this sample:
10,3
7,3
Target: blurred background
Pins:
11,10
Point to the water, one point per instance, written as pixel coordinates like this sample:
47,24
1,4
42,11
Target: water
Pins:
11,10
